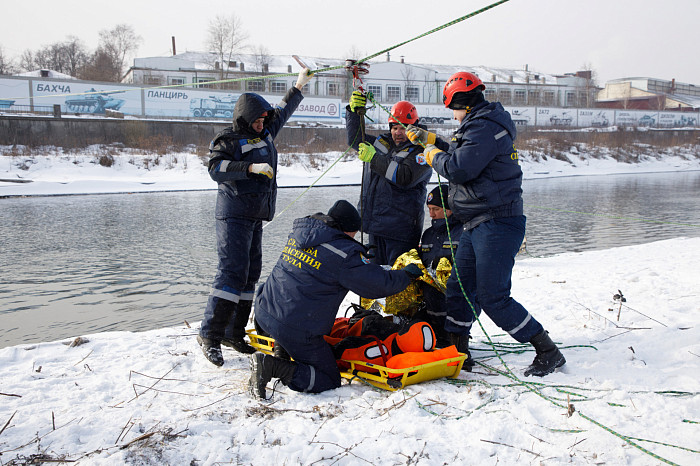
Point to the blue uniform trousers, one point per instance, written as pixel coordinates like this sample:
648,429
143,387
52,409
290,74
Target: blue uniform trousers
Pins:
484,261
389,249
239,245
316,369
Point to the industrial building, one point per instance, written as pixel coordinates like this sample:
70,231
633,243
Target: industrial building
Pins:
389,80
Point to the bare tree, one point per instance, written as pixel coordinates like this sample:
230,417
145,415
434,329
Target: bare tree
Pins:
590,87
119,43
26,61
408,77
262,59
6,64
225,39
75,55
100,67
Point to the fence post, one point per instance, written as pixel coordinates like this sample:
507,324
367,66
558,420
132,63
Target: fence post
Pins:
57,110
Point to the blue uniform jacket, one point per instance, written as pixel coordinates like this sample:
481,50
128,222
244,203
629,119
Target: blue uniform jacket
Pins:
435,243
393,185
482,166
235,148
318,265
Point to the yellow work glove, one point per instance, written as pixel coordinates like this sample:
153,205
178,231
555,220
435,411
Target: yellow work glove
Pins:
428,155
261,169
420,136
357,100
366,152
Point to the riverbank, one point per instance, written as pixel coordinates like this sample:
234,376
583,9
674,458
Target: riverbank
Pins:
97,170
630,388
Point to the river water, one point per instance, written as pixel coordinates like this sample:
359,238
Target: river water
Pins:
74,265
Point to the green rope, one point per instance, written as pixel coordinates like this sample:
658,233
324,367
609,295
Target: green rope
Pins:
308,188
282,75
508,372
446,25
665,444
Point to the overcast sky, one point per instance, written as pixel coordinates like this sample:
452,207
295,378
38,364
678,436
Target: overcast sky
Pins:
615,38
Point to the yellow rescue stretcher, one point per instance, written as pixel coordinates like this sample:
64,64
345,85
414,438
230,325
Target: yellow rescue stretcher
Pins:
381,376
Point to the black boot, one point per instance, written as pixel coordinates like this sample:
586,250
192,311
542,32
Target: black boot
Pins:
548,356
280,352
263,368
462,344
240,320
211,350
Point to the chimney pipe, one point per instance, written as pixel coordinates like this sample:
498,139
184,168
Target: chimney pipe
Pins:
388,56
174,52
401,58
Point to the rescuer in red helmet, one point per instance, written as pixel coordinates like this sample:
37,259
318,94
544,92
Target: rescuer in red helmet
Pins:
393,183
481,164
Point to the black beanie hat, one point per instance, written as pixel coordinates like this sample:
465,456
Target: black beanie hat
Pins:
345,215
434,196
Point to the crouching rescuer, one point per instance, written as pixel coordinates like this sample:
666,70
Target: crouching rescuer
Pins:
299,301
481,164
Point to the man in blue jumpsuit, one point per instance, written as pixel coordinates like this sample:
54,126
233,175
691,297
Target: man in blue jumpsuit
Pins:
393,184
299,301
435,244
481,163
244,163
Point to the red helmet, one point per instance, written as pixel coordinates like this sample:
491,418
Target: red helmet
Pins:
460,82
404,112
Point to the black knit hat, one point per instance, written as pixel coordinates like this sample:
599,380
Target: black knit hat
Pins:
434,196
345,215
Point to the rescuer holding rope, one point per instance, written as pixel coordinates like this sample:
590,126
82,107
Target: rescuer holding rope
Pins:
244,163
393,183
481,163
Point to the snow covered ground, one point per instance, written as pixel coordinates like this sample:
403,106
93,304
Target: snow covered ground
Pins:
629,393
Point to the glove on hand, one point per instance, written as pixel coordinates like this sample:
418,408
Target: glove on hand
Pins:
357,100
429,153
420,136
413,271
261,169
366,152
304,77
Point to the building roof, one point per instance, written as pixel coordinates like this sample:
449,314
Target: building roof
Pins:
278,64
45,74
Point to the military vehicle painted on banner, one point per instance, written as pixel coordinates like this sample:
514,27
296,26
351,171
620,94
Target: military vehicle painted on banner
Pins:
93,102
217,107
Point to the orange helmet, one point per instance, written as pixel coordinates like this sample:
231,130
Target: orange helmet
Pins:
460,82
404,112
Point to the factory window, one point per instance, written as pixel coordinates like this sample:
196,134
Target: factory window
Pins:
393,93
504,96
256,85
376,91
548,98
333,89
519,97
412,93
278,87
